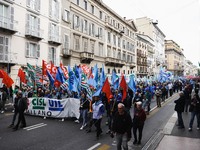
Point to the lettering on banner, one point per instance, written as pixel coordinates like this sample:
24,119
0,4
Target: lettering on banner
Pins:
55,105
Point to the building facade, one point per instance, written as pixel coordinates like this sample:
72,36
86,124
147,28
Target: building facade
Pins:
100,36
190,69
145,56
174,58
68,31
150,28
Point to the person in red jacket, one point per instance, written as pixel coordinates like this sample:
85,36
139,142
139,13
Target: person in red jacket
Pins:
138,122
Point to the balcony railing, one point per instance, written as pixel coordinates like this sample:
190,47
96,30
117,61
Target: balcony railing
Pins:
54,39
34,32
86,57
7,25
115,62
66,52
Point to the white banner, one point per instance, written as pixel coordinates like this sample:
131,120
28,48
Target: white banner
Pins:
41,106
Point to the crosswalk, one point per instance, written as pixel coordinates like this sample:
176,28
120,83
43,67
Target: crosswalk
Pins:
29,128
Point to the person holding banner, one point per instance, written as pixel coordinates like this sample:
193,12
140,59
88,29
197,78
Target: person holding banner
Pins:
3,97
84,107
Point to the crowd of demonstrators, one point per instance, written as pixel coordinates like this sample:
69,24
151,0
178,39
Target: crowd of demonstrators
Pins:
117,109
188,101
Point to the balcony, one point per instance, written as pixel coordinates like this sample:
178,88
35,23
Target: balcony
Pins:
66,52
33,33
86,57
7,25
54,40
114,62
131,64
8,58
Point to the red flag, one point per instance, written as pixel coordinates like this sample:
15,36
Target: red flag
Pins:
123,85
64,70
44,67
85,69
53,70
106,89
90,75
6,79
22,75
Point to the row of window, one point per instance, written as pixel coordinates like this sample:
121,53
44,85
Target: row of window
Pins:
32,50
118,71
95,11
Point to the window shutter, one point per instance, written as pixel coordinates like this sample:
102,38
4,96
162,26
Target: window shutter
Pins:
12,17
54,53
57,33
82,25
38,5
57,10
38,25
27,49
89,29
50,8
64,16
78,22
28,3
66,42
50,35
50,54
38,51
28,20
73,21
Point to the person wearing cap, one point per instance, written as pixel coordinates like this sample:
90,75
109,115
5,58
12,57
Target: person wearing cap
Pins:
121,127
138,122
112,109
179,108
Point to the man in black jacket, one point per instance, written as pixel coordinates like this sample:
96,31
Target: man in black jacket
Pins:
16,111
122,125
179,108
22,106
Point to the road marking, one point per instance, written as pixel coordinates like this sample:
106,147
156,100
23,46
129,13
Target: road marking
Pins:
8,114
94,146
104,147
34,126
170,124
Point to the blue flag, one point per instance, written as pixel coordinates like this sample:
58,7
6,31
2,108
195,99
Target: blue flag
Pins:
51,79
98,92
60,75
131,84
114,80
103,77
72,80
95,73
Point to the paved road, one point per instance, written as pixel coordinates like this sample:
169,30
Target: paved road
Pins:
52,134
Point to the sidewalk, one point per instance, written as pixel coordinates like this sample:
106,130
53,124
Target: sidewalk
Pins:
178,139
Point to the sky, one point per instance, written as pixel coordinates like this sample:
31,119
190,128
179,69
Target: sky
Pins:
179,20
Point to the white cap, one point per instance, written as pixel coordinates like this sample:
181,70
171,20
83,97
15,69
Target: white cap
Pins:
139,103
